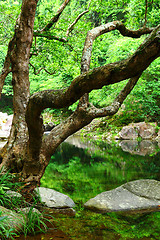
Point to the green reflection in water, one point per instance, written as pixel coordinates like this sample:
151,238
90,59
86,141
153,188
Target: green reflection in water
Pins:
82,174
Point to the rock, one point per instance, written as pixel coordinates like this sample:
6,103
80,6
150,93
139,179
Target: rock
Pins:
28,209
136,195
12,220
135,130
54,199
13,194
128,132
147,188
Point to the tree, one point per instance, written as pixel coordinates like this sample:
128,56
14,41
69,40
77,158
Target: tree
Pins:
27,152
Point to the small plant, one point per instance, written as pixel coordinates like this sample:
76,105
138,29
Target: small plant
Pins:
5,231
34,221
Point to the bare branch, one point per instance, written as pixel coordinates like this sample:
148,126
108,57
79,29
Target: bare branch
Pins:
70,28
96,32
114,107
146,9
36,73
50,37
6,67
55,17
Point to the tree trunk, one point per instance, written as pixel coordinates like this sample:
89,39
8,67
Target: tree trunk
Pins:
14,151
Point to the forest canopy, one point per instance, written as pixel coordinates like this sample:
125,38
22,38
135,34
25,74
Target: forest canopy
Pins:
54,64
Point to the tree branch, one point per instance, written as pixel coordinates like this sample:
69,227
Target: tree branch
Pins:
50,37
70,28
55,17
96,32
7,63
114,107
94,79
36,73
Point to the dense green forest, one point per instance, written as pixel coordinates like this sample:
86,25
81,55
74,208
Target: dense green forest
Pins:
54,63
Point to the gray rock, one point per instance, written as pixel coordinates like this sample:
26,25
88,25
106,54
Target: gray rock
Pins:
12,220
13,194
136,195
54,199
28,209
128,132
147,188
135,130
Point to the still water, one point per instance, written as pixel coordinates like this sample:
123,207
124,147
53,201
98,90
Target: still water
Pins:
82,169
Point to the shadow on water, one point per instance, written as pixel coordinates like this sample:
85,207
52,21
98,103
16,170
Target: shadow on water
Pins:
82,169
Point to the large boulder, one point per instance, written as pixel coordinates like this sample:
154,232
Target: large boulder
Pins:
135,130
136,195
54,199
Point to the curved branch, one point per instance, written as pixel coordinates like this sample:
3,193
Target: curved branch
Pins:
94,79
96,32
70,28
55,17
36,73
114,107
50,37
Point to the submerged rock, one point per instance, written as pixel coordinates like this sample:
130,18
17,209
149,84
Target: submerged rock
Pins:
54,199
136,195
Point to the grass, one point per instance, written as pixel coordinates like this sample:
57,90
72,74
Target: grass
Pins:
33,221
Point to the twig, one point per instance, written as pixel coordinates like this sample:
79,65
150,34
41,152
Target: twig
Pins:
71,26
55,17
36,73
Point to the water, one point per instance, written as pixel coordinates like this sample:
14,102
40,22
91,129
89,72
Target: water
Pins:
82,169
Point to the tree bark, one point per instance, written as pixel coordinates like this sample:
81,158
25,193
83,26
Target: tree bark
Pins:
27,151
15,149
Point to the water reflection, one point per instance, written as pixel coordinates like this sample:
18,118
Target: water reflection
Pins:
143,148
82,169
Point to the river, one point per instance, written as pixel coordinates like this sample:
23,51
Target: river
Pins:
82,169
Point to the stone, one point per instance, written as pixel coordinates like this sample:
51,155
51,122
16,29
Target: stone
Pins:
135,130
148,188
54,199
141,194
12,220
128,132
28,209
13,194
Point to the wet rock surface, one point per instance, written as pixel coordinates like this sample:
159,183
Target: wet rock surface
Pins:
136,195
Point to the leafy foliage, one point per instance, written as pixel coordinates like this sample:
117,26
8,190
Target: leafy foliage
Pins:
63,59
